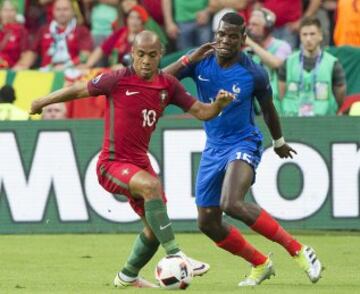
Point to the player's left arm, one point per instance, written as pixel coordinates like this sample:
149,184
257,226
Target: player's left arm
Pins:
272,121
263,94
75,91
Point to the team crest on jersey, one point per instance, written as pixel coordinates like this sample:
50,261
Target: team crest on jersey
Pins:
163,97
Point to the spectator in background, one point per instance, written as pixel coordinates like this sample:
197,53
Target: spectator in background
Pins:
150,24
103,14
117,46
13,36
347,28
8,111
288,16
154,7
266,49
311,81
191,24
62,43
77,6
54,112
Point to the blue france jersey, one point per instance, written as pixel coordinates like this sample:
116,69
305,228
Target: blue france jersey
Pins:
246,80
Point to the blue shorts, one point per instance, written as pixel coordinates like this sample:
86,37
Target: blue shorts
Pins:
213,164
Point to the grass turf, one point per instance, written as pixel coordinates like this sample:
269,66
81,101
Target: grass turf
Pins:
88,263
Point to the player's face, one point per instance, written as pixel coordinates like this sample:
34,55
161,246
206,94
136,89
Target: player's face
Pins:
146,58
229,39
310,37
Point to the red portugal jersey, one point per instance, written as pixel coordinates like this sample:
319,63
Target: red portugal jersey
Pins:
133,108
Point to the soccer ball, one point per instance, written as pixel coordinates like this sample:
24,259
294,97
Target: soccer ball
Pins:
174,272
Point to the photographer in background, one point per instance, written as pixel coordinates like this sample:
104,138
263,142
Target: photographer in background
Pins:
266,49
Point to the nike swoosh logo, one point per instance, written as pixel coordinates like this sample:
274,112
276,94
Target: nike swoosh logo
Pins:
128,93
203,79
164,227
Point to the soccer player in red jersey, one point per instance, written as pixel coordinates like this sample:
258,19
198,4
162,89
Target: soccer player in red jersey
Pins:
136,98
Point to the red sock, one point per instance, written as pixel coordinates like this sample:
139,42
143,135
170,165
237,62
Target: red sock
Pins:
236,244
270,228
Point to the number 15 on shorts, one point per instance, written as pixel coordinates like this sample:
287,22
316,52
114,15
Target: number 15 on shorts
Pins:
244,156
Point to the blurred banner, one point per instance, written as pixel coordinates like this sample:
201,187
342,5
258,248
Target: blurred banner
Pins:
48,182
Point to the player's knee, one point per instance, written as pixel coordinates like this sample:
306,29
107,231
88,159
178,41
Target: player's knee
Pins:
151,189
232,209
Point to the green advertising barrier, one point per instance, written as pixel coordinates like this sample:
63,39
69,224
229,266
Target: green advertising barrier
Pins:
48,182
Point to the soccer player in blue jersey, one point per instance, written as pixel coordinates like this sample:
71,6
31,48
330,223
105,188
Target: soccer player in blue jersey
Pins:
233,150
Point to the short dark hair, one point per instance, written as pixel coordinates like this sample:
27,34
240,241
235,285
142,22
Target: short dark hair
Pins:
310,21
234,19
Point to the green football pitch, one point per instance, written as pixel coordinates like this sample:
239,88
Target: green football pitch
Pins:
88,263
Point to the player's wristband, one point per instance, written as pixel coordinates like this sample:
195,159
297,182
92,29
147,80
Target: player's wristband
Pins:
185,60
279,142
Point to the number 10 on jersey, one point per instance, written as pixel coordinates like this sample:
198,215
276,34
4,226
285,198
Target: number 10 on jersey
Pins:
149,117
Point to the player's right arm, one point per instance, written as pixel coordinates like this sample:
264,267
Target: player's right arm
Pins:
187,60
75,91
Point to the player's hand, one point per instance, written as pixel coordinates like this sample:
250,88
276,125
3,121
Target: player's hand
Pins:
36,107
223,98
285,151
202,52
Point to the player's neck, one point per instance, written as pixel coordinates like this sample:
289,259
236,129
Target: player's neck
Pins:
226,62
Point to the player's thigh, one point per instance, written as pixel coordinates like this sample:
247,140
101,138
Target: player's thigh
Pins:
127,179
115,177
209,179
237,181
145,185
240,171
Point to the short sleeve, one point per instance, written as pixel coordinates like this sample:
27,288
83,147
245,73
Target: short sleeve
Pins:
179,96
262,88
104,83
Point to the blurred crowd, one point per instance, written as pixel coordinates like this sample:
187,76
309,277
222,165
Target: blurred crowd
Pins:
58,35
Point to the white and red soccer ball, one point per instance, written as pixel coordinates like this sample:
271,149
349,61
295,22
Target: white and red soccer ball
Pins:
174,272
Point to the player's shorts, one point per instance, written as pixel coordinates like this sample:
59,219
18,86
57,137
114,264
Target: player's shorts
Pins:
115,176
213,165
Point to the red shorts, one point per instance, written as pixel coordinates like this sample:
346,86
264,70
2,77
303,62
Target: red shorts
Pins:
115,176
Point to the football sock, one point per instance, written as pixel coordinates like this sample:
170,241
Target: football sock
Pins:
158,219
270,228
142,251
236,244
